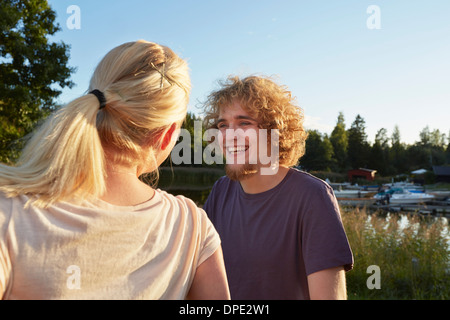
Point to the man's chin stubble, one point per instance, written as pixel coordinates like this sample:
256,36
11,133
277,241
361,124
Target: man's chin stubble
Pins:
242,172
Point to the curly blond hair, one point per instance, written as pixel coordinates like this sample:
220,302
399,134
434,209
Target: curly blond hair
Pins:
271,104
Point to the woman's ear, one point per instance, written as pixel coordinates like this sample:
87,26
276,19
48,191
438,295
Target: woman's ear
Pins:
168,136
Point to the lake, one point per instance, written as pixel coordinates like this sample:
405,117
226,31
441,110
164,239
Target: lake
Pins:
192,182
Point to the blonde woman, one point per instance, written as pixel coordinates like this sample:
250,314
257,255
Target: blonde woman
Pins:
75,220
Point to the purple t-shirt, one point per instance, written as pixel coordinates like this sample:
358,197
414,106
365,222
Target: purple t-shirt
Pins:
273,240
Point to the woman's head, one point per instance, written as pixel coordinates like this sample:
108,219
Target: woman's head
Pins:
146,87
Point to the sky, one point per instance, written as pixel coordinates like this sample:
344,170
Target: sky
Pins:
386,60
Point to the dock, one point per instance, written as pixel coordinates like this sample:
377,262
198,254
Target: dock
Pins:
436,208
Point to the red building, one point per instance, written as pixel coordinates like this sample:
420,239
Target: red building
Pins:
361,173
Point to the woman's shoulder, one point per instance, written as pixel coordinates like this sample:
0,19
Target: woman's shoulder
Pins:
180,202
6,206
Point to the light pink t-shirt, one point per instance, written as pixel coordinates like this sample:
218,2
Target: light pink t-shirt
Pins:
100,251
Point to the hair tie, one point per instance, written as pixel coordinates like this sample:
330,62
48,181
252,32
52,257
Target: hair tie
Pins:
100,96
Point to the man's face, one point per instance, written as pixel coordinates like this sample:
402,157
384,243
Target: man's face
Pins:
239,141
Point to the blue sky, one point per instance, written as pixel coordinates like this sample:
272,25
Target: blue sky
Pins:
322,50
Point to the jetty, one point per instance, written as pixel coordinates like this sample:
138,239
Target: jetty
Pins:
436,208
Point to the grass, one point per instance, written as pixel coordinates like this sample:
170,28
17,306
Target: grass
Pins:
411,251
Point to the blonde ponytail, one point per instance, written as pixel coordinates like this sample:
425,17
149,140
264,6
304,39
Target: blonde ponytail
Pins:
61,159
64,159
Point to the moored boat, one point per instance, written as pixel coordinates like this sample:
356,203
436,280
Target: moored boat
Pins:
350,193
402,196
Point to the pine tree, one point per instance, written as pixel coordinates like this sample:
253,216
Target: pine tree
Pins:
358,147
339,141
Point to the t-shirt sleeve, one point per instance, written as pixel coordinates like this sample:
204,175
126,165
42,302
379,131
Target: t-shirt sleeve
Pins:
324,242
5,263
210,237
209,203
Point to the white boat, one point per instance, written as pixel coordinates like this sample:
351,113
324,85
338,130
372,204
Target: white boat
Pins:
402,196
350,193
404,185
440,195
411,198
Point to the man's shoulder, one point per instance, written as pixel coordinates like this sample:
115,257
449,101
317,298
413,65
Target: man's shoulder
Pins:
224,183
307,181
220,191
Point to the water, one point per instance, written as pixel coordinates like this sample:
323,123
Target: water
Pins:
194,183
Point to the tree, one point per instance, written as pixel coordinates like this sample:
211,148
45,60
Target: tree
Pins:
447,152
339,141
379,153
319,152
396,137
430,150
358,147
32,69
192,143
398,156
437,139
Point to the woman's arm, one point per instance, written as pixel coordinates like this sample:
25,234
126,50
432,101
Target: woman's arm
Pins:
210,281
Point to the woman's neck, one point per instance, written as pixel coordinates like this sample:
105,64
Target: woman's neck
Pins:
123,187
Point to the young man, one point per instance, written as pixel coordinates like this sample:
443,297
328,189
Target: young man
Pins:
281,230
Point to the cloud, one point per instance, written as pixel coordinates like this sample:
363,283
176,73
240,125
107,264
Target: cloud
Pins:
314,123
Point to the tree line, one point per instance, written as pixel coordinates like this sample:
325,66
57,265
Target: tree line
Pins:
349,148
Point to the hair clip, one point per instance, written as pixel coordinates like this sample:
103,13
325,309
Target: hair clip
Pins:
161,73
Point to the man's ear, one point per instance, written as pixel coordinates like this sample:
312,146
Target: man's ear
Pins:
168,135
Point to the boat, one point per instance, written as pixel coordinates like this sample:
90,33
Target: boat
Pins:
410,197
402,196
440,195
404,185
350,193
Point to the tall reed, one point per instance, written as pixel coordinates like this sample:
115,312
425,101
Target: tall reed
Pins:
412,253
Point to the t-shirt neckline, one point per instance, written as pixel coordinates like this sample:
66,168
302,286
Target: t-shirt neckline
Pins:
101,204
264,194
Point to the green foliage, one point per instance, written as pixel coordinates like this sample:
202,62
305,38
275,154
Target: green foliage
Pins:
379,153
388,155
32,69
193,124
320,155
358,147
339,141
